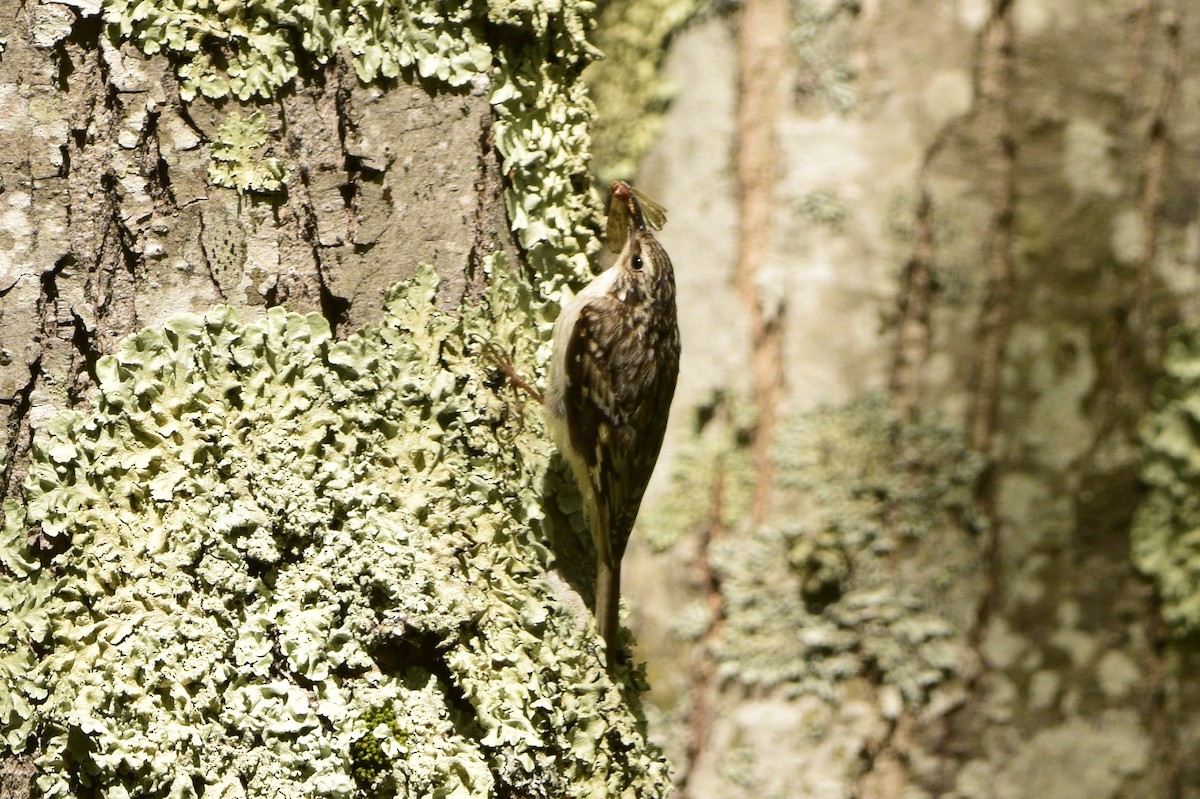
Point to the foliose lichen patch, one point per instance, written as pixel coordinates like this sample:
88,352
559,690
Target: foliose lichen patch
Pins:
252,49
270,563
872,521
237,160
1166,528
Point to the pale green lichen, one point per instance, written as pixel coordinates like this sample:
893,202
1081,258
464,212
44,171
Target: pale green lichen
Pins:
542,117
236,160
266,547
1166,528
628,86
531,54
250,49
714,461
873,520
823,208
822,38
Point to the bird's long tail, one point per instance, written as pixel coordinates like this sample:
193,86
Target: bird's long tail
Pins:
608,600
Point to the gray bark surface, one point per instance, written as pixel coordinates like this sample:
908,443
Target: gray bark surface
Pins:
984,214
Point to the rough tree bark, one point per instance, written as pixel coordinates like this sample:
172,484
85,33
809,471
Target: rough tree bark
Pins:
274,521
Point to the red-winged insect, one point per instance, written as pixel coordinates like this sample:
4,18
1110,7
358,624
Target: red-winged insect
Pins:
629,207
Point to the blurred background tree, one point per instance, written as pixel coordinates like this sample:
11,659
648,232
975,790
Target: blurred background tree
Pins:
925,524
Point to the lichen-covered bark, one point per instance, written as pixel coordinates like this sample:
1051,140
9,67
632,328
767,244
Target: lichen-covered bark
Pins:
268,536
113,224
274,522
111,178
984,220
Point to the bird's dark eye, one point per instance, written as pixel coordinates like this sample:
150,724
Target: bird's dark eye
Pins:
636,263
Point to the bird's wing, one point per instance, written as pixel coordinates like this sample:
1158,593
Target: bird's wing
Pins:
616,414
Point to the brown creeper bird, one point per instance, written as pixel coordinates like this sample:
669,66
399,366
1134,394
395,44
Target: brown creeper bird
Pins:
612,377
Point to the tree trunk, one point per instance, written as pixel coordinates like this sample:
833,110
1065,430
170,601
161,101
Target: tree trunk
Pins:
911,395
275,522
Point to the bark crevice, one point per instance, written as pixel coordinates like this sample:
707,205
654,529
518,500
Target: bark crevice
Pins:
18,435
916,299
762,55
704,671
994,88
